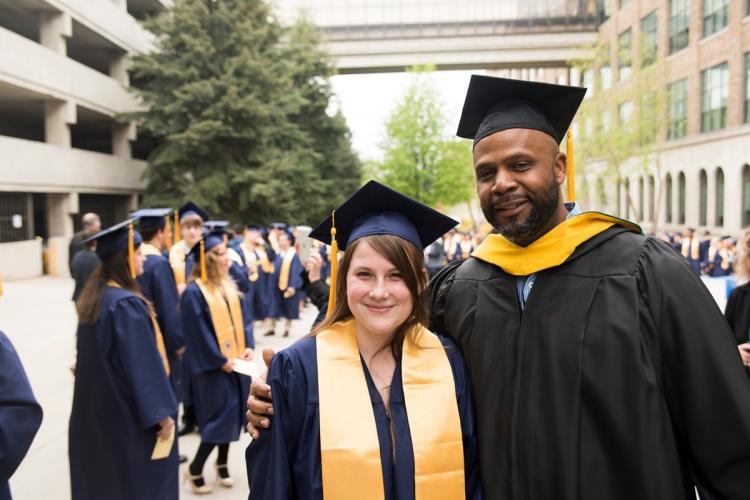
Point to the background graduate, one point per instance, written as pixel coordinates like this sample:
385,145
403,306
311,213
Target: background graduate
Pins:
287,281
122,400
372,405
20,414
211,312
189,227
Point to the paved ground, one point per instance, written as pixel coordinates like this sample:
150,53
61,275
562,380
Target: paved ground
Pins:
39,318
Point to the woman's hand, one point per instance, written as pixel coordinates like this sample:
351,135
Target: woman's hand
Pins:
228,367
247,355
165,429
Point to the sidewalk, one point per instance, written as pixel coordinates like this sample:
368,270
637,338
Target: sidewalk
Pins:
39,318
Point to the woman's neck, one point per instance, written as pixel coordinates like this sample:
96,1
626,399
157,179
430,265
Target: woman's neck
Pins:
369,343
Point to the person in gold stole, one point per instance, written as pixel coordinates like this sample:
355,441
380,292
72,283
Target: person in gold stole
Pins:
371,405
188,229
211,310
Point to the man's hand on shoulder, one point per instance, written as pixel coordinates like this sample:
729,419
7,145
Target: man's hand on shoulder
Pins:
259,406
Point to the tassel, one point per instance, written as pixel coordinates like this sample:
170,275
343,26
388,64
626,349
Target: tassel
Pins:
131,250
226,238
203,262
334,266
177,234
167,234
571,168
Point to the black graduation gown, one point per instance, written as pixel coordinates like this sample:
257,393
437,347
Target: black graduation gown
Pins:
20,414
121,393
621,380
284,463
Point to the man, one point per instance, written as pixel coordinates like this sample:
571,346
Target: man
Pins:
91,225
692,249
287,283
84,263
191,219
601,367
253,253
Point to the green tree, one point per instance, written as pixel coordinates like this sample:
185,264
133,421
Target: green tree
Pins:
418,160
238,106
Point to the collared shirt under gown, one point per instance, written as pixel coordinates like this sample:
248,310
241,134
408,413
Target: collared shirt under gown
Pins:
284,463
20,414
121,394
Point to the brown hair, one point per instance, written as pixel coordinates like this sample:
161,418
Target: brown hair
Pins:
409,262
742,268
213,276
116,268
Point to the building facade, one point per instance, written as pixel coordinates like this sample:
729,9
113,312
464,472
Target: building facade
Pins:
63,81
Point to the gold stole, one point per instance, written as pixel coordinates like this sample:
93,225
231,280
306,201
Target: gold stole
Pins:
286,265
350,451
251,261
158,337
726,258
265,264
224,304
177,261
550,250
149,249
691,248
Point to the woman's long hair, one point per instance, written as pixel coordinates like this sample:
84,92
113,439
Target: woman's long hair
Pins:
213,274
116,268
409,261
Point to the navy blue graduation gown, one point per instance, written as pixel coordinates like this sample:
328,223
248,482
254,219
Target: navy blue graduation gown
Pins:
284,463
158,285
283,307
121,394
20,414
219,397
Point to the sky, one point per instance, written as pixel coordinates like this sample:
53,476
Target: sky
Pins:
367,101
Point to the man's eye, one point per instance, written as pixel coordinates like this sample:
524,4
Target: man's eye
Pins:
521,165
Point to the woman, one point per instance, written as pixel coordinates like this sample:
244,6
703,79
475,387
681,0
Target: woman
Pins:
738,305
371,405
287,284
122,401
215,333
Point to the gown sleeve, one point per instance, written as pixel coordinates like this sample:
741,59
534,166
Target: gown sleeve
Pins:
249,337
202,347
270,458
705,384
165,302
20,414
295,273
141,363
239,276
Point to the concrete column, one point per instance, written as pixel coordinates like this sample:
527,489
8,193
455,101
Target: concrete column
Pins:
132,202
122,134
57,118
118,69
54,28
60,208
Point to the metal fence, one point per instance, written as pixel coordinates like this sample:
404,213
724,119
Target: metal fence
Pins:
16,219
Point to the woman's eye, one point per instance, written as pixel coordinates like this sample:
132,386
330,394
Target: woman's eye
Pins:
395,276
363,274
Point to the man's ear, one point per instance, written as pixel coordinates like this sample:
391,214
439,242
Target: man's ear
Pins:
561,168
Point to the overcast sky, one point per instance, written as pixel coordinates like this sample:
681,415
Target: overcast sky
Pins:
367,100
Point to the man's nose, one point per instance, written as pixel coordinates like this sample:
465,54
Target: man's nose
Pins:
504,181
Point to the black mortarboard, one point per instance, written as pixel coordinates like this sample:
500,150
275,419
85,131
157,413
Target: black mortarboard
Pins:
378,209
494,104
118,238
149,218
191,208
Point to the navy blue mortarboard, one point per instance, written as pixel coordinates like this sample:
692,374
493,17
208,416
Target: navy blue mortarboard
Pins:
278,225
378,209
494,104
149,218
210,240
215,225
118,238
191,208
254,227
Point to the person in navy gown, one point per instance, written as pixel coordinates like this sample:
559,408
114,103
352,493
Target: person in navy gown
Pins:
20,414
379,300
287,283
122,399
211,310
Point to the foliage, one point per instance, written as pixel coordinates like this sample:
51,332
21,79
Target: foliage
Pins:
240,108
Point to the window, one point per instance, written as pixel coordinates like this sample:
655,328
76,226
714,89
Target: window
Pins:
747,84
703,199
719,216
679,22
681,198
625,114
651,196
605,72
619,199
677,109
624,54
668,189
603,10
649,40
627,199
641,198
714,92
746,195
588,82
715,16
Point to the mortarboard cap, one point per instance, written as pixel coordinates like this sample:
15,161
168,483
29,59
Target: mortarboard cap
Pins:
278,225
151,217
494,104
210,240
118,238
254,227
191,208
215,225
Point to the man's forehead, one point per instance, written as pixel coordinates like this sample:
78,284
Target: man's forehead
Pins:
515,141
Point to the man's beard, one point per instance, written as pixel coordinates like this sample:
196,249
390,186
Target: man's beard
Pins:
525,232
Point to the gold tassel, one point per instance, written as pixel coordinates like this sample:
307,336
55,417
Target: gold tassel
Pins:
226,238
131,250
334,266
167,234
571,168
177,234
203,262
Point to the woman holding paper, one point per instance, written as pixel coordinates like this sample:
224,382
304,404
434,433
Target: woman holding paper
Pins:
216,334
121,434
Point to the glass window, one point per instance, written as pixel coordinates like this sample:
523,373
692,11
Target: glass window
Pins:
719,217
714,93
649,39
679,25
625,114
624,54
668,189
715,16
588,82
651,196
627,199
747,85
605,71
641,198
746,195
603,9
703,199
677,109
681,198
